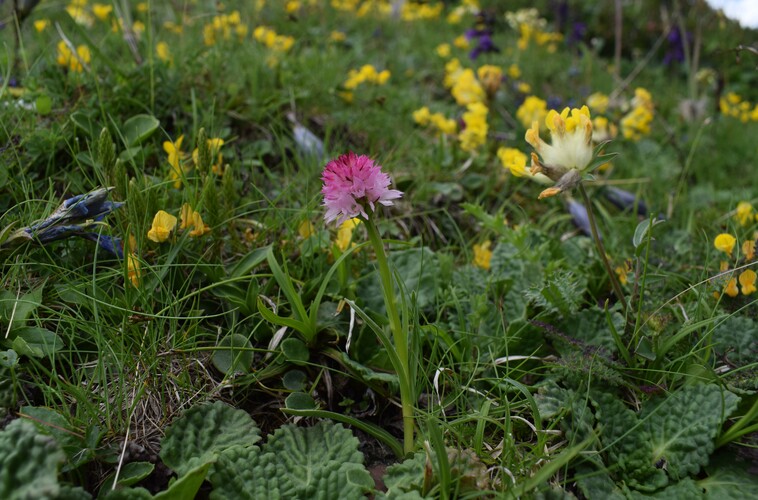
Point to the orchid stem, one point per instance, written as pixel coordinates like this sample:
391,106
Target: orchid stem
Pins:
601,250
399,335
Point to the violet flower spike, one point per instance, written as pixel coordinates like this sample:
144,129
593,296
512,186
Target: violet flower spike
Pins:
353,184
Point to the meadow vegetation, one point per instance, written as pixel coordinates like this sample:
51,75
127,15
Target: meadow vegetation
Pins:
377,249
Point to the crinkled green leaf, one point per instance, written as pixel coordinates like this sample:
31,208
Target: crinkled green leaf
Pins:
597,484
406,477
304,450
52,423
69,492
319,462
204,431
248,474
29,462
729,479
681,428
128,494
686,489
590,326
736,338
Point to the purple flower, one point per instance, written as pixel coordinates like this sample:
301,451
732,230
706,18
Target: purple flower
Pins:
484,45
351,185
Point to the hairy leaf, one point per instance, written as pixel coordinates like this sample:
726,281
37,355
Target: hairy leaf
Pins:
29,462
203,432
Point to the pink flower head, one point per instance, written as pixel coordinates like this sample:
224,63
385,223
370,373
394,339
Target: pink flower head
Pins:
352,183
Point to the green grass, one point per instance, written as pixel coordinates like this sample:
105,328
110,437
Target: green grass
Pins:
528,378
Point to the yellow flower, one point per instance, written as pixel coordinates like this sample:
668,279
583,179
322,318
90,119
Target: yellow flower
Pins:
306,229
41,24
570,151
292,6
747,281
533,109
70,60
461,42
731,288
748,249
514,72
173,149
598,102
475,133
102,11
490,77
345,234
443,125
421,116
443,50
192,219
724,242
467,89
483,255
515,161
133,270
162,51
744,213
337,36
163,224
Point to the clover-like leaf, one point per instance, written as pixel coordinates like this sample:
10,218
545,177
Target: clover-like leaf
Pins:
29,462
203,432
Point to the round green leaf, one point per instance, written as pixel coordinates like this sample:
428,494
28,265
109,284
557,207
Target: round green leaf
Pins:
43,104
300,401
234,354
138,128
295,351
8,358
294,380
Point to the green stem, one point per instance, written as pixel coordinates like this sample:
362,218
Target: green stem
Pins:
601,250
399,335
738,429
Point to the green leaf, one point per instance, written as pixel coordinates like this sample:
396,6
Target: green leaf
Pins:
249,262
129,474
294,380
319,462
36,342
43,104
52,423
19,309
736,338
203,432
682,428
562,293
248,474
84,121
138,128
640,233
295,351
29,462
315,456
8,358
233,354
187,485
299,401
729,479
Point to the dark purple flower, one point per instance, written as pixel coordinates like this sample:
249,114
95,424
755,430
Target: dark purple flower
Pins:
484,45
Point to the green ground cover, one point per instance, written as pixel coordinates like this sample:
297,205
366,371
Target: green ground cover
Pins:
184,314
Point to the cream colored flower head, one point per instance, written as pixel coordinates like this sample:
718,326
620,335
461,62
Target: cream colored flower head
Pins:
569,153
